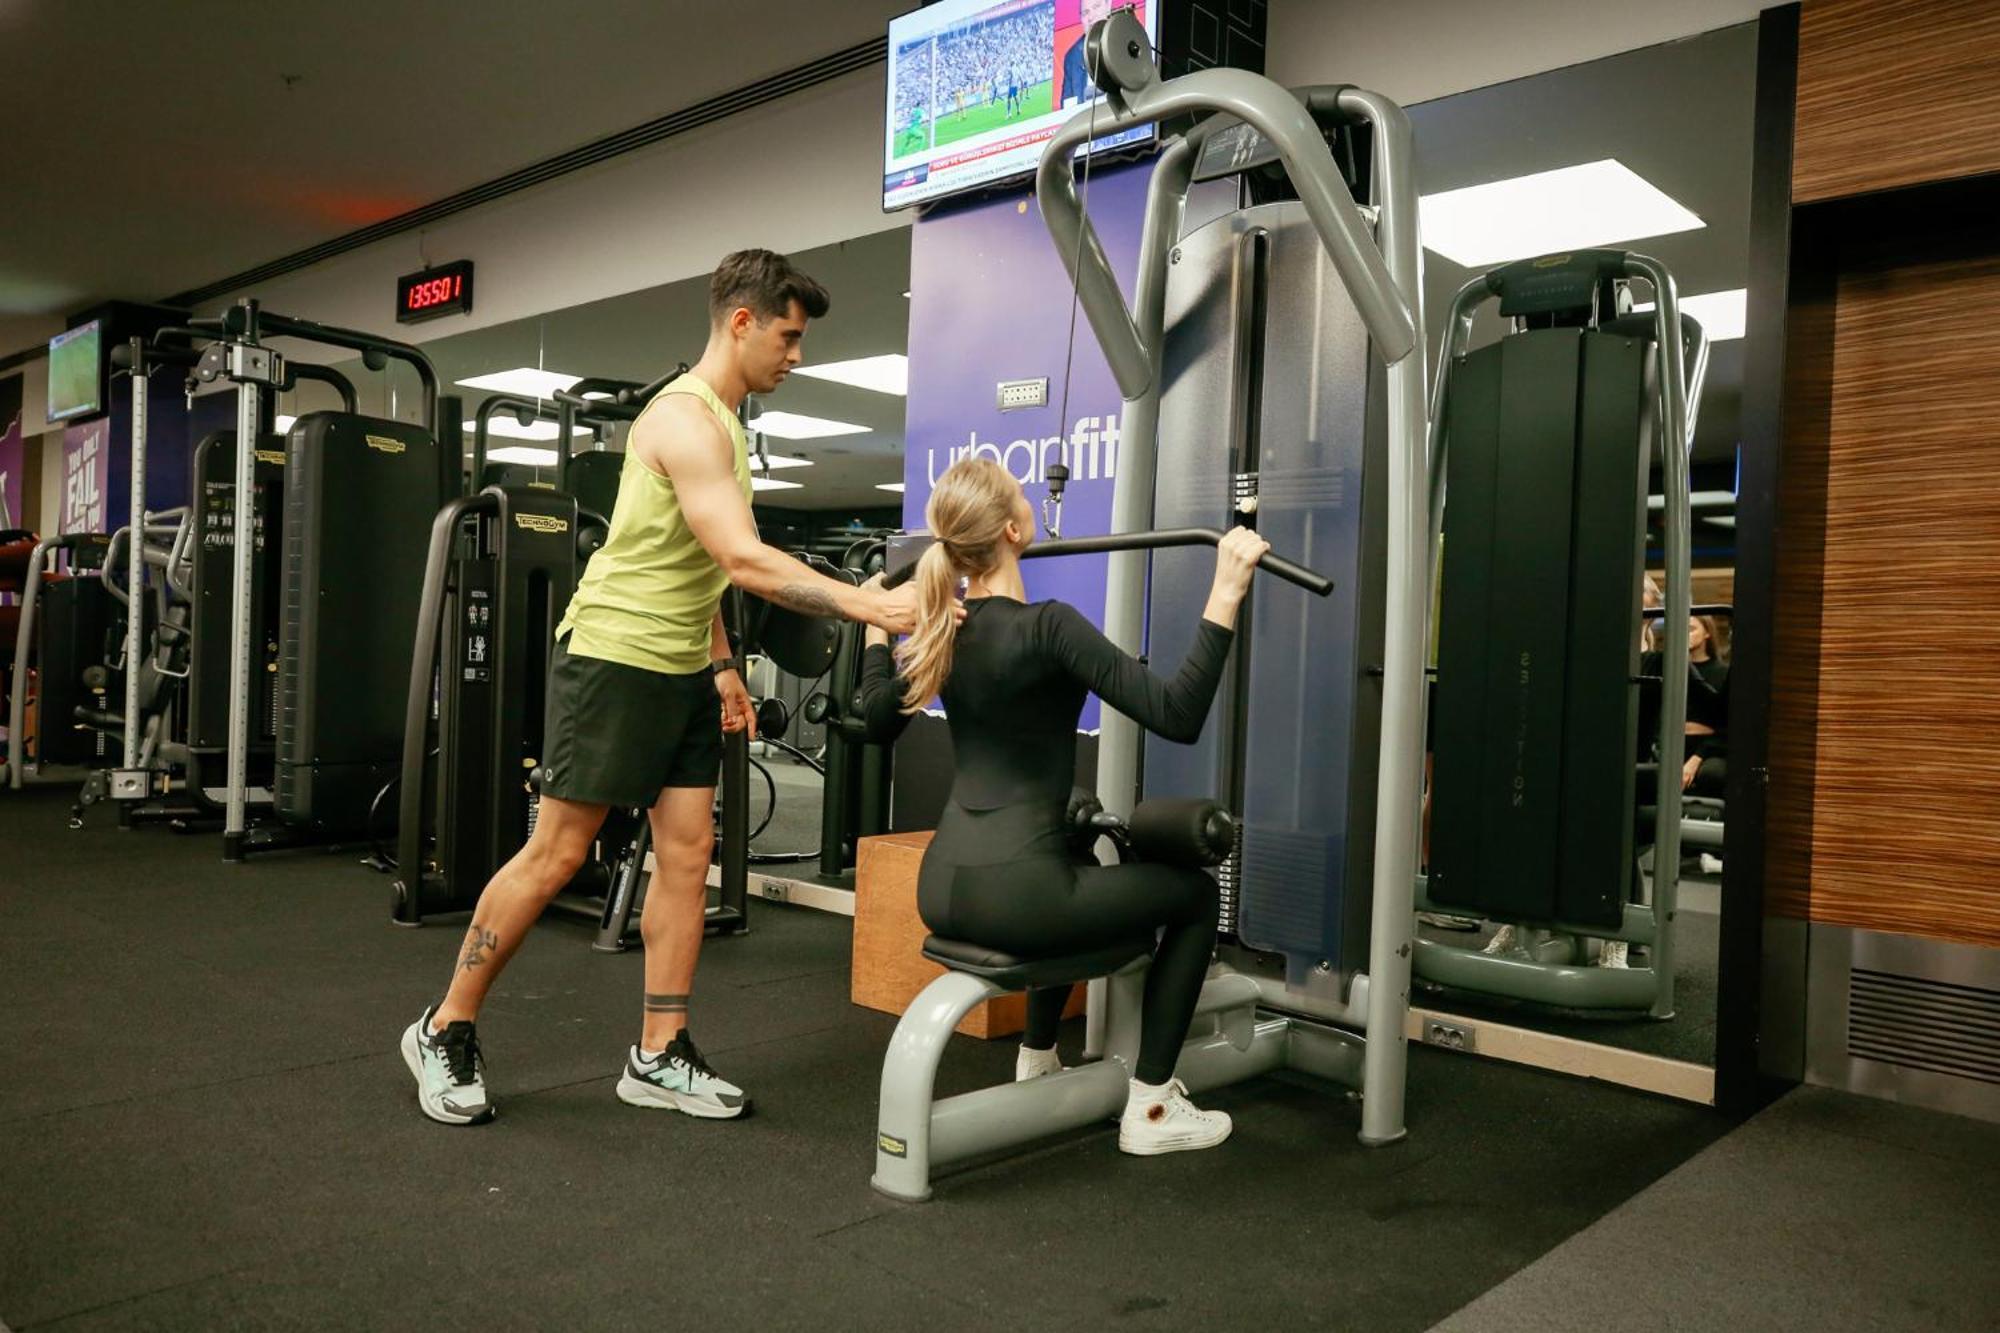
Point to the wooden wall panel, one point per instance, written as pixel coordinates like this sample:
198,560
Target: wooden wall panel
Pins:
1905,766
1894,93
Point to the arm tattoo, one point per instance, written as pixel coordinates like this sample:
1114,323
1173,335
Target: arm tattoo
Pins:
479,943
666,1004
804,597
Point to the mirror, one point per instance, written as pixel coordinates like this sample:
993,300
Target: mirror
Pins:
1664,130
835,466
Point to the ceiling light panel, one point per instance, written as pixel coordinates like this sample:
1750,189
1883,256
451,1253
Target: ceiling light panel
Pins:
774,462
526,381
774,484
1571,208
895,486
521,453
889,373
505,424
1720,314
794,426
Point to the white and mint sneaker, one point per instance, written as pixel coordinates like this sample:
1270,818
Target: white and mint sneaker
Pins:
678,1079
450,1071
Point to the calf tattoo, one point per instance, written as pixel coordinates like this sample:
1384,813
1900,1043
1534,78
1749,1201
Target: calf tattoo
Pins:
806,598
666,1004
479,944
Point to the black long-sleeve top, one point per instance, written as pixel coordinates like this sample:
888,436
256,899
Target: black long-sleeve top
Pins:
1707,704
1019,675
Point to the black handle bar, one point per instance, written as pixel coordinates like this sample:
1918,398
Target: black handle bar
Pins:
296,371
1698,609
1312,581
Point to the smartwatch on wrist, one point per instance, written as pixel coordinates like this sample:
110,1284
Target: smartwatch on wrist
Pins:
722,664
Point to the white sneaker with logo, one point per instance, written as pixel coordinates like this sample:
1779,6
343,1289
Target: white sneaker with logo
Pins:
1160,1119
680,1080
1502,941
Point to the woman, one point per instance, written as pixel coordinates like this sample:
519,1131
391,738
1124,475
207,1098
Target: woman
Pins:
1014,676
1706,765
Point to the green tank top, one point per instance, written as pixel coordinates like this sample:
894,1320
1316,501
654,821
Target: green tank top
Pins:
648,597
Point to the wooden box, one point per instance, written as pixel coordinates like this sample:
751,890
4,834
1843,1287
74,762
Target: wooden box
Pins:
889,966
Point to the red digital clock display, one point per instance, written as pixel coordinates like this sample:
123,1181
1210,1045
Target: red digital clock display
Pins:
445,290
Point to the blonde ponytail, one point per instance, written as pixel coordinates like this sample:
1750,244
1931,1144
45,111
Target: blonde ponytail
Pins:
967,515
925,657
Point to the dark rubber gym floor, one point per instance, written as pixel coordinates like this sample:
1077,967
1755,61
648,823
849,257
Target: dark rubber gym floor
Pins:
206,1124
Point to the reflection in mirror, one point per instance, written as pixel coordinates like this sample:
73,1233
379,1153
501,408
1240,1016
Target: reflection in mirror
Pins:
827,469
1557,899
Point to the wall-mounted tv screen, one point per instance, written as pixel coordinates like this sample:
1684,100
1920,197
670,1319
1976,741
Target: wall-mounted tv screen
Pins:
76,372
976,87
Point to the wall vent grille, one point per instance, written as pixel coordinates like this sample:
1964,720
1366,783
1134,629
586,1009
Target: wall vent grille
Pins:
1917,1023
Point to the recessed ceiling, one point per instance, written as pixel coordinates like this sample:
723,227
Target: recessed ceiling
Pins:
155,147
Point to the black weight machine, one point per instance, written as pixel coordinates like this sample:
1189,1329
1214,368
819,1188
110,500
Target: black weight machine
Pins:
66,612
343,500
212,594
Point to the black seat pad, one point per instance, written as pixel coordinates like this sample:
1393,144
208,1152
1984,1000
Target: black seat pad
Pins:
1012,973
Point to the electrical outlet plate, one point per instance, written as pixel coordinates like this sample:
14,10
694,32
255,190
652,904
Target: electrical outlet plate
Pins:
774,890
1017,394
1451,1036
130,784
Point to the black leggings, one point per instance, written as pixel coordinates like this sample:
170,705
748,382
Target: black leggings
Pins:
1039,904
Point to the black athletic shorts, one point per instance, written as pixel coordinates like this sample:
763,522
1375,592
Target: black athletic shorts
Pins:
617,734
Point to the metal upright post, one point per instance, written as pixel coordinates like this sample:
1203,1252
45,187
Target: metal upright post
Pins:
1406,614
247,420
1674,445
24,639
1132,486
565,423
733,868
135,577
1119,738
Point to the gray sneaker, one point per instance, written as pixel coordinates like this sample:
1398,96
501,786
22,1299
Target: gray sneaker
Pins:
680,1080
450,1071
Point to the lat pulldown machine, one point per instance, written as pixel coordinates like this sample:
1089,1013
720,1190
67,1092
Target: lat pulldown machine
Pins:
1347,1027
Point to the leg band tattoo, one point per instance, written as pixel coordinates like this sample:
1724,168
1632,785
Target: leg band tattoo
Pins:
666,1004
479,943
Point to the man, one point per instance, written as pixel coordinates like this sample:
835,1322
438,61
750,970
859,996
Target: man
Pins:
1076,84
640,660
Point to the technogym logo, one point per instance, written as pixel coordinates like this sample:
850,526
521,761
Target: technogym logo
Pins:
1092,453
540,523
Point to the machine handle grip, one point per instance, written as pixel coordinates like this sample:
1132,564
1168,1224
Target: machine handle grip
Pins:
1311,580
1314,582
